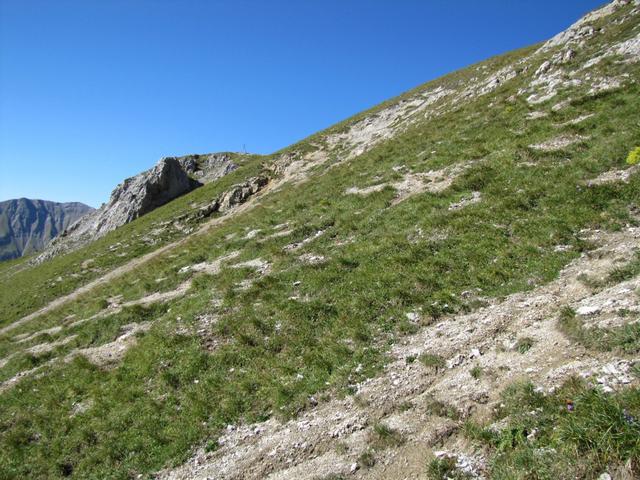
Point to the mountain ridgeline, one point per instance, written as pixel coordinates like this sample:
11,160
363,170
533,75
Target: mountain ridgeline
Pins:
27,226
445,286
170,178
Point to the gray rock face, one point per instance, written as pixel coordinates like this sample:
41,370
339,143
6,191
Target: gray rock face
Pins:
236,195
207,168
131,199
26,226
139,195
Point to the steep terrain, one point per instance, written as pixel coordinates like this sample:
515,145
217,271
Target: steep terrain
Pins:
444,286
26,226
139,195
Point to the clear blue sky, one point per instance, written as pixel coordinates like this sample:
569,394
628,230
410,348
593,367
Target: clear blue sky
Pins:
93,91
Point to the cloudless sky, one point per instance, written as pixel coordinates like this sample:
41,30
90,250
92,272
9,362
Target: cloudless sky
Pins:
94,91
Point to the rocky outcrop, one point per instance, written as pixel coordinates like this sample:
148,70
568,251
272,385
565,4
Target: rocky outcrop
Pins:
131,199
172,177
236,195
26,226
207,168
139,195
583,28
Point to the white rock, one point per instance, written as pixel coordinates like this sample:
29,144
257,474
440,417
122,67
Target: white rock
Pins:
412,316
543,68
455,361
588,310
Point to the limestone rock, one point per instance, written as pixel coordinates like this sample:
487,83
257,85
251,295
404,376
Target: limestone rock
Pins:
207,168
131,199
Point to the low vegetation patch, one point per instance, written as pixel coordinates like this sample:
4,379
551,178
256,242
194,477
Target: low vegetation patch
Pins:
446,468
634,156
524,344
385,437
431,360
624,339
576,432
367,459
442,409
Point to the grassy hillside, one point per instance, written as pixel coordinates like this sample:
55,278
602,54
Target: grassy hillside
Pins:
338,273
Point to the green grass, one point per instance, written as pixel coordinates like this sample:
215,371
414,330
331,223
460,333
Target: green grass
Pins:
543,439
385,437
430,360
304,329
445,468
524,344
442,409
623,339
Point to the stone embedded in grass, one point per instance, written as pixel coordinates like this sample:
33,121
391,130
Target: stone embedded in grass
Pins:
558,143
312,259
412,316
475,197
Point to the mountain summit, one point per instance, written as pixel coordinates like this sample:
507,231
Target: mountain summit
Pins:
445,286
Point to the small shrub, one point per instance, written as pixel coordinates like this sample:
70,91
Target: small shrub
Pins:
441,468
367,459
441,409
634,156
386,436
432,361
212,445
476,372
524,344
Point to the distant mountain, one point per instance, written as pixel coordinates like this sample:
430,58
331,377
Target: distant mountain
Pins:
26,226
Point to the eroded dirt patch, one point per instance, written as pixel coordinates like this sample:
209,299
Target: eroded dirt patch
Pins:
114,351
433,181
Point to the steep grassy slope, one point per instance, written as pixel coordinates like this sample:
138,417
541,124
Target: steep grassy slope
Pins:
63,274
463,190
